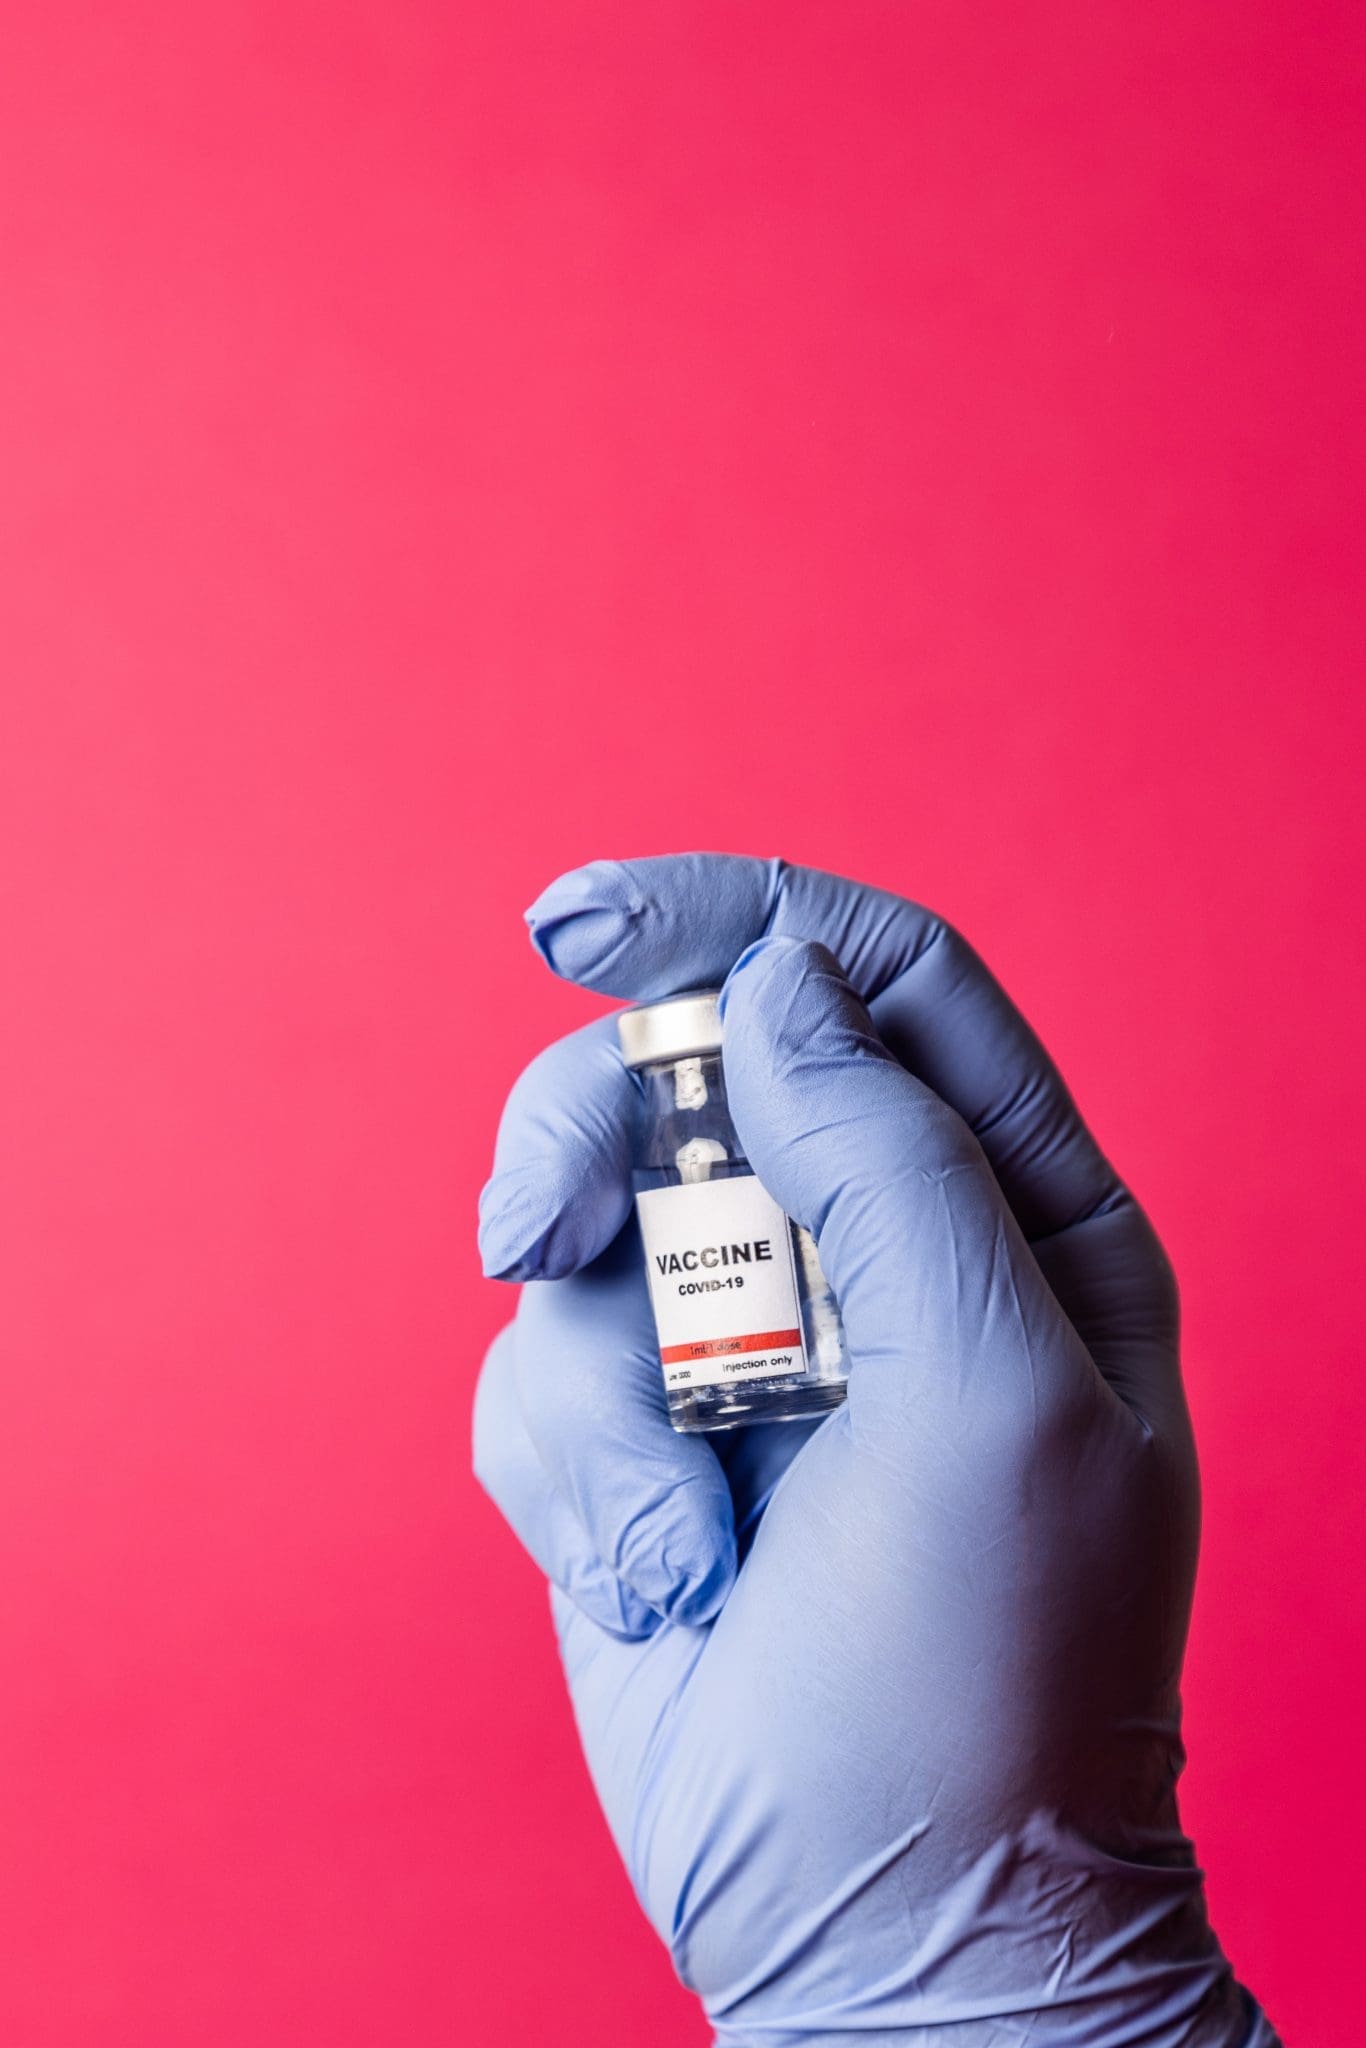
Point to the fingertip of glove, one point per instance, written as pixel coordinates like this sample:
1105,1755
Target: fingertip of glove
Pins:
578,922
776,972
505,1230
614,1606
763,955
682,1560
527,1231
699,1599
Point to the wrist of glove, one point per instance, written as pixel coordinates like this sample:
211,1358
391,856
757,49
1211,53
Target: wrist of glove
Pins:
883,1712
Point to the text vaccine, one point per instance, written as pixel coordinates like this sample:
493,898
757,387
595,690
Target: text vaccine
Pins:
749,1330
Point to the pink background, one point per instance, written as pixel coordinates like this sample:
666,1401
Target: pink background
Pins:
441,445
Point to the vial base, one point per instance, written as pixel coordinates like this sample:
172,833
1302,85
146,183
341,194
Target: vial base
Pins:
693,1410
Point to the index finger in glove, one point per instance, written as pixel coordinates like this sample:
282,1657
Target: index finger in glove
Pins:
561,1184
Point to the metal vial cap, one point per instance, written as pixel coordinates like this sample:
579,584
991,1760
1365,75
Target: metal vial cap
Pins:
678,1028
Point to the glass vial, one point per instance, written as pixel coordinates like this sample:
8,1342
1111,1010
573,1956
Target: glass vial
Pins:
749,1330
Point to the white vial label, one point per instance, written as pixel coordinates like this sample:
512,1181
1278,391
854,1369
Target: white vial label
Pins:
723,1282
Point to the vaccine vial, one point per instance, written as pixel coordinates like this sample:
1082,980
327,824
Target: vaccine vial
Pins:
749,1330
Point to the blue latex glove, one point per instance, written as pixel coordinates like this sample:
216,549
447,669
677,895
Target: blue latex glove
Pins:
884,1711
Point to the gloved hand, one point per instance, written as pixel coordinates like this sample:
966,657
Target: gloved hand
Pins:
883,1711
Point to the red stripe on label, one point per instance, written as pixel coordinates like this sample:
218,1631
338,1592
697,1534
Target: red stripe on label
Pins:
718,1347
